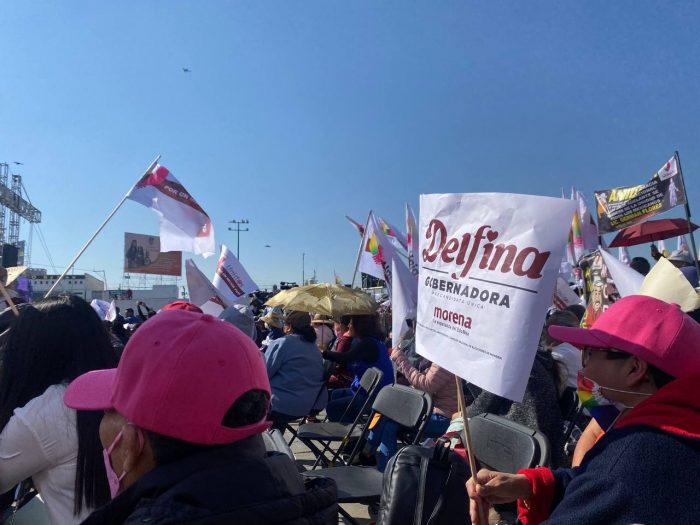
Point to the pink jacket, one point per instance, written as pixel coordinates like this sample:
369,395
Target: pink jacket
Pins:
436,381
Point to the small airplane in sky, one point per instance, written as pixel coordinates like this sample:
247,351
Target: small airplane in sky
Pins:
186,70
18,163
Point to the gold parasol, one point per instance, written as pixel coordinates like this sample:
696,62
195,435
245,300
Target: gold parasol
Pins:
326,299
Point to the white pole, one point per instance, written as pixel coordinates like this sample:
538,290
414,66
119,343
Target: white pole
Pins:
362,245
82,250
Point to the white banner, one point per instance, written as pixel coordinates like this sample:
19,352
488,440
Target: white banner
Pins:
488,266
231,280
403,301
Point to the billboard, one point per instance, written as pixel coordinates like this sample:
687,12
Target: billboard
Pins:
142,255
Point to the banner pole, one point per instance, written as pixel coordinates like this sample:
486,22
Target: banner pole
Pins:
687,215
85,247
483,518
359,252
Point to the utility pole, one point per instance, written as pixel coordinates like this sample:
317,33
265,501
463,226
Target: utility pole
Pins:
303,256
238,231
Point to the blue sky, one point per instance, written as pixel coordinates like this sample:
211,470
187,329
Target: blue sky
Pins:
297,113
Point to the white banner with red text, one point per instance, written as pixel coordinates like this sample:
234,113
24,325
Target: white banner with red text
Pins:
488,266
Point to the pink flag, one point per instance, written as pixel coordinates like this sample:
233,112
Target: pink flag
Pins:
184,225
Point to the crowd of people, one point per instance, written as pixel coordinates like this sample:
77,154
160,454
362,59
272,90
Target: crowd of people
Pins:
163,422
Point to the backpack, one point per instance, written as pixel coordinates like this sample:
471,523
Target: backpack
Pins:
425,486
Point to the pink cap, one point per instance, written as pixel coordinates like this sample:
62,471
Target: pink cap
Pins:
656,332
182,305
179,375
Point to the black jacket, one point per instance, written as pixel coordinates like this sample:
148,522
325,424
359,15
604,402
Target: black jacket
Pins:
236,484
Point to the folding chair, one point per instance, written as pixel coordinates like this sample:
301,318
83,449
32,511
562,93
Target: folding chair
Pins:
505,446
329,432
275,442
406,406
322,395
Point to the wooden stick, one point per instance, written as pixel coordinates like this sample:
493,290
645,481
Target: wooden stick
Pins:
483,518
8,299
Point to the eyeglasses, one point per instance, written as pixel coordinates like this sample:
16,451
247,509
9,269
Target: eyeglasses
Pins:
611,354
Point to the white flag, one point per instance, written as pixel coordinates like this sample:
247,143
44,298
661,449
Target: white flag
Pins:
394,236
403,301
563,295
489,262
627,281
111,312
101,308
202,291
669,169
231,280
377,254
184,225
589,231
623,255
373,260
412,241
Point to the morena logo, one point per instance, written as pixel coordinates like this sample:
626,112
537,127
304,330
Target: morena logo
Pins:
528,261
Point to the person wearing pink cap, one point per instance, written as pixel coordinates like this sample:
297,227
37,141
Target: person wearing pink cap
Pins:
644,356
181,431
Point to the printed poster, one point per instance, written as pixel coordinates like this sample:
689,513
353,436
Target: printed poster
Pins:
488,266
142,255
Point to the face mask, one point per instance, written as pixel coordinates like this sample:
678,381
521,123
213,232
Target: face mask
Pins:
592,398
112,478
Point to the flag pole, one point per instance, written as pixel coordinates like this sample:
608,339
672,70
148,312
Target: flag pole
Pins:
359,252
85,247
687,215
467,442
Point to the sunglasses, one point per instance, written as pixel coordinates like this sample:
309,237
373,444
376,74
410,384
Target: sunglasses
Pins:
610,353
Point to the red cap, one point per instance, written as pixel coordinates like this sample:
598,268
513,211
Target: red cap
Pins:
182,305
656,332
179,375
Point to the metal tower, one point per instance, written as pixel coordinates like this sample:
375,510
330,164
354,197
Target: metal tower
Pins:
11,199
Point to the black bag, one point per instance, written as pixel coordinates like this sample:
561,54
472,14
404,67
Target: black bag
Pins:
425,486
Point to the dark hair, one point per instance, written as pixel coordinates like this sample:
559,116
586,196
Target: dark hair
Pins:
52,343
641,265
367,326
344,319
307,332
659,377
248,409
576,309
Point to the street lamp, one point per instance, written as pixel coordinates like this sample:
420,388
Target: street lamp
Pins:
238,231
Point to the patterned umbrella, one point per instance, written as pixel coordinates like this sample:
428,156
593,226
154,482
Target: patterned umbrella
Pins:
327,299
